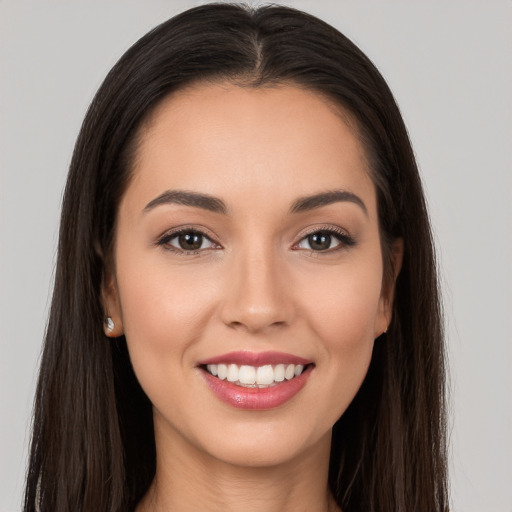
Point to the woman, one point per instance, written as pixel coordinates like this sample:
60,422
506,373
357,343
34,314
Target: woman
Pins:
245,312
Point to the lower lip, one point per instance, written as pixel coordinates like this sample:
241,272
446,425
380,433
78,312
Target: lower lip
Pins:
256,398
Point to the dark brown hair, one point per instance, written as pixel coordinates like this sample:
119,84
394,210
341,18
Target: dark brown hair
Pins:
93,443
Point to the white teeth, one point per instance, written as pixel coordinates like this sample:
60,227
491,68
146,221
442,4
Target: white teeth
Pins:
255,376
265,375
222,371
289,373
279,373
212,368
247,374
233,373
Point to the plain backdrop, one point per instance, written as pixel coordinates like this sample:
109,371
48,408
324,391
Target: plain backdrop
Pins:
449,66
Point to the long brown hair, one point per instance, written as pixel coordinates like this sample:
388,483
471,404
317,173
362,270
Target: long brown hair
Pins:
93,443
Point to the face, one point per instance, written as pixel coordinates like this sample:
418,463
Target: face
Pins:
248,271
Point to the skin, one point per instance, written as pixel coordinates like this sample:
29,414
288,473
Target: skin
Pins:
257,286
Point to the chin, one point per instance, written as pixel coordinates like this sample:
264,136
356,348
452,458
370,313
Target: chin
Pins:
265,444
251,455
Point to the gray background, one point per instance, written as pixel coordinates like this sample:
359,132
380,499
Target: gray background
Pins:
450,69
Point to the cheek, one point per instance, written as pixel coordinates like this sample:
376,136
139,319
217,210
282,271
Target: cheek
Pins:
346,326
164,310
345,306
342,311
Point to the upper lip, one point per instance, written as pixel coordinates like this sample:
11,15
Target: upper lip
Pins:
255,358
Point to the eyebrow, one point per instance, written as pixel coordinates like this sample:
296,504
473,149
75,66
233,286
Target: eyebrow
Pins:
325,198
195,199
214,204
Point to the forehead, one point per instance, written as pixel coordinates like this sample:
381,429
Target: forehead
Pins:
221,138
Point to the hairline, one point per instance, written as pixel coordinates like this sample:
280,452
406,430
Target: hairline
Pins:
250,80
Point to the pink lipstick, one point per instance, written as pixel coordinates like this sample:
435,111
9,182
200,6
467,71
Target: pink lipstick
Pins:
255,381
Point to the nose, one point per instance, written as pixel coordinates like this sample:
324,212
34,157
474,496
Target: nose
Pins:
258,297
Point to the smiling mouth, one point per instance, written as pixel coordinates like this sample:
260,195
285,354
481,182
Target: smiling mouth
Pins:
256,381
247,376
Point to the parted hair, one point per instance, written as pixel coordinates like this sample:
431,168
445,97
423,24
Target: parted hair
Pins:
93,445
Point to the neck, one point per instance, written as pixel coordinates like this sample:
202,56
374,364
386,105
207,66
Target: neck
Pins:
187,479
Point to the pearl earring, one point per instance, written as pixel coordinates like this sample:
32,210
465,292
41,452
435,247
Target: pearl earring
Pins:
109,323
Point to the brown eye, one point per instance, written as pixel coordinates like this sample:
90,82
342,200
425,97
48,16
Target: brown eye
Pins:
320,241
325,240
190,241
187,241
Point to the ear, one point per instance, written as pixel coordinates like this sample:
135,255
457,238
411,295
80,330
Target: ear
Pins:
385,310
111,306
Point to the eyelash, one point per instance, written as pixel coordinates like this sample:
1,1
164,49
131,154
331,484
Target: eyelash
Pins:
344,239
164,240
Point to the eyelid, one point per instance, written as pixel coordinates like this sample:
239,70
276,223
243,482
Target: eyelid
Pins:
342,235
163,239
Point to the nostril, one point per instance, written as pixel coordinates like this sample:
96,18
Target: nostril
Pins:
256,300
254,325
